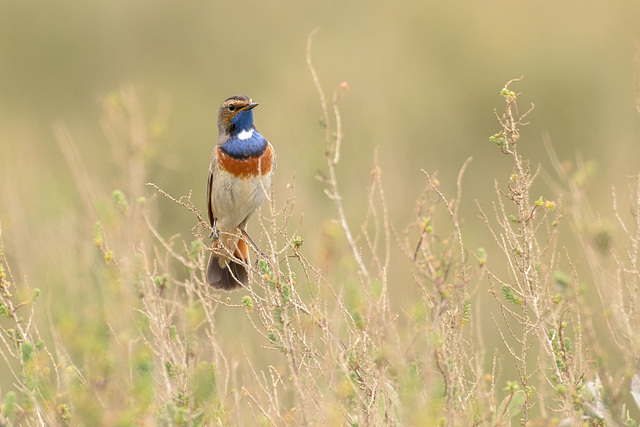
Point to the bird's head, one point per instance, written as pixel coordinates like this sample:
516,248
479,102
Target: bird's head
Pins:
236,115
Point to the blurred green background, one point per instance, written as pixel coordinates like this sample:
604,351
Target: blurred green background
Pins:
424,79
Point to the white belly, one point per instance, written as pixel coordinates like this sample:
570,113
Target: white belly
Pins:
234,199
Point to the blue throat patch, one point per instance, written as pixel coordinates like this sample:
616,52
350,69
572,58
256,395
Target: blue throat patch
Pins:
244,148
253,146
243,120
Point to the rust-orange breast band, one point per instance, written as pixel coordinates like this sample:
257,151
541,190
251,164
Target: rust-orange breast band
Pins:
247,167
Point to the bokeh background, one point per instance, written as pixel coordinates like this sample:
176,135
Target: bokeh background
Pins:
424,78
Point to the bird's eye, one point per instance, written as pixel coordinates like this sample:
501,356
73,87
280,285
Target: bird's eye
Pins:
232,107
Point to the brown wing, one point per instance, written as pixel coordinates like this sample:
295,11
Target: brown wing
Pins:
209,209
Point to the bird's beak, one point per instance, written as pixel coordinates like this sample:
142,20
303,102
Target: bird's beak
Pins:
251,106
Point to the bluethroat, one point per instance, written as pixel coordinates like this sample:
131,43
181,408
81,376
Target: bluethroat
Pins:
239,177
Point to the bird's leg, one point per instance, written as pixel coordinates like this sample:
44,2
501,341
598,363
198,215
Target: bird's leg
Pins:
215,233
250,240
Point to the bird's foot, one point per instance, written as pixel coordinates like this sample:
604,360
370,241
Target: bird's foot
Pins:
215,234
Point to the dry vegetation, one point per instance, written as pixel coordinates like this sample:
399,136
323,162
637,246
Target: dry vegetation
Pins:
151,354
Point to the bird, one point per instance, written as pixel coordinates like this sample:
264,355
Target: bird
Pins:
240,171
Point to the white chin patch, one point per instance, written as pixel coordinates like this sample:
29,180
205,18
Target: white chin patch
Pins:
245,134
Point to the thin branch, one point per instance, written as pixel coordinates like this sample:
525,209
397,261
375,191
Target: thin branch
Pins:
332,162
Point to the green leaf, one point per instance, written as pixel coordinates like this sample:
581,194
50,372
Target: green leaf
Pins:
482,256
247,302
562,280
98,234
466,309
196,246
516,404
120,201
513,404
9,404
27,351
510,296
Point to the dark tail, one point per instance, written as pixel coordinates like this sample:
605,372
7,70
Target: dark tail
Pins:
233,275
